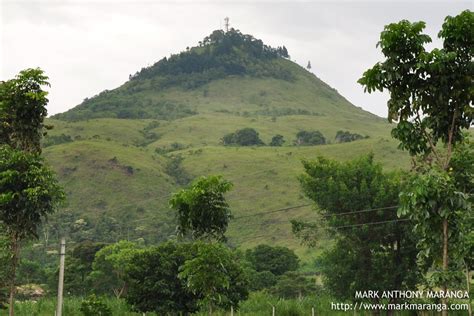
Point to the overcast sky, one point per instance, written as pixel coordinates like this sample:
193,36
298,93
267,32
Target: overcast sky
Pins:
88,46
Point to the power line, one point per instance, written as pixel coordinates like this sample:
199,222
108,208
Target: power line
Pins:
323,215
373,223
362,211
274,211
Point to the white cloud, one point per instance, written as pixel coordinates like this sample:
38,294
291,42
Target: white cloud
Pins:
88,46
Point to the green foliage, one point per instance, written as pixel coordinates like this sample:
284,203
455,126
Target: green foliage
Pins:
346,136
28,192
94,306
430,92
23,110
431,98
243,137
365,256
306,138
5,266
431,198
277,140
202,209
110,263
294,285
153,283
79,266
261,280
276,260
215,273
31,272
175,170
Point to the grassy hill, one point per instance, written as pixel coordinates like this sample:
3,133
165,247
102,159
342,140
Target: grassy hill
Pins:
123,152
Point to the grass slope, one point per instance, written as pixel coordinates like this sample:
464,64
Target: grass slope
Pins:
121,166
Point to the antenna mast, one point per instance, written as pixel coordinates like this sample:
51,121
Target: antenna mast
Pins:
226,24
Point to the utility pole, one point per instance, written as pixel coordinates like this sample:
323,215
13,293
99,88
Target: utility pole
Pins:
226,24
62,257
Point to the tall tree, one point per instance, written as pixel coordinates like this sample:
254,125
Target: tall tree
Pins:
28,189
373,250
28,193
202,209
431,98
215,273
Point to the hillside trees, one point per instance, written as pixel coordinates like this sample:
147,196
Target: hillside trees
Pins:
243,137
277,140
431,99
307,138
346,136
373,250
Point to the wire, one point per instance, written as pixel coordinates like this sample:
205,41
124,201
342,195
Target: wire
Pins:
273,211
373,223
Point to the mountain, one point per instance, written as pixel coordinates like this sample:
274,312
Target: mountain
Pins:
121,153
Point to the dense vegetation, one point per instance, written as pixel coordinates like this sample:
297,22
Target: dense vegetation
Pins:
243,137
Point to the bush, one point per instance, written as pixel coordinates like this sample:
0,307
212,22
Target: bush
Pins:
345,137
243,137
94,306
277,140
276,260
310,138
294,285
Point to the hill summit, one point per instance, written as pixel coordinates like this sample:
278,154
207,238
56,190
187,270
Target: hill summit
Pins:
148,94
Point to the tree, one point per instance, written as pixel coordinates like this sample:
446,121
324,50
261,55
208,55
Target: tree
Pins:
277,260
28,190
215,273
430,96
23,109
310,138
277,141
243,137
109,267
153,283
308,66
346,136
294,285
202,209
28,193
373,250
78,266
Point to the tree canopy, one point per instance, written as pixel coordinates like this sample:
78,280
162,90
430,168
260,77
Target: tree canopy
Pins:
431,98
202,210
367,255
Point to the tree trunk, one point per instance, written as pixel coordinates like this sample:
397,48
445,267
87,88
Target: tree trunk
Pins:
445,261
15,250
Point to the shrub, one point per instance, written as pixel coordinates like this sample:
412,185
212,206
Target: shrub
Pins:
345,137
243,137
94,306
277,140
310,138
